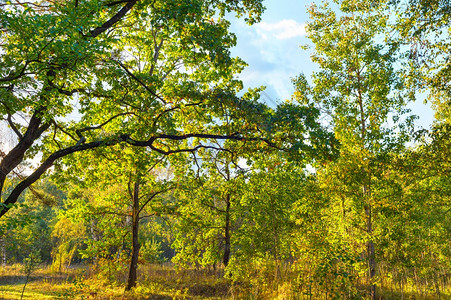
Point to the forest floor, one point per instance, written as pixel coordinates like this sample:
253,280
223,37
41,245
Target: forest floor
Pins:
158,282
161,283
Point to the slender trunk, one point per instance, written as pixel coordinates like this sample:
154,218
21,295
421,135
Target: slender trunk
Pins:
24,286
371,257
226,257
367,194
3,251
437,286
370,247
60,268
131,282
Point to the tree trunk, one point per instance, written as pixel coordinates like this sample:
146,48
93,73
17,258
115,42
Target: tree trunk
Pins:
2,240
226,257
131,282
371,252
367,194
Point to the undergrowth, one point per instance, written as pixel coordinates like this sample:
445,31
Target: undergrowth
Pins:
164,281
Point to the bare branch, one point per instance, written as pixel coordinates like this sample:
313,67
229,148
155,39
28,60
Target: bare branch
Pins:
214,207
219,169
79,131
151,197
148,216
185,150
139,81
172,109
64,131
54,136
197,165
117,2
155,164
157,53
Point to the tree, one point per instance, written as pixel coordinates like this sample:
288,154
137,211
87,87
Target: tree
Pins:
358,88
423,26
415,229
127,192
265,222
101,216
213,211
30,265
69,236
82,75
207,205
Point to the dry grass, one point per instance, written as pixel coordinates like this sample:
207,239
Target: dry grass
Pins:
155,282
43,283
159,282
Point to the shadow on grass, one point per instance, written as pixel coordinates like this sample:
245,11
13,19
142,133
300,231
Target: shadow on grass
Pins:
20,279
387,294
209,290
158,297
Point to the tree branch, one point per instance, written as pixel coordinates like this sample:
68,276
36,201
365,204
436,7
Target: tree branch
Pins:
12,198
148,216
139,81
151,197
214,207
64,131
15,156
116,18
79,131
33,177
18,75
172,109
13,127
22,71
117,2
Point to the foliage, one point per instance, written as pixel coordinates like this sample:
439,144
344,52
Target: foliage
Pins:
265,220
151,251
29,226
137,73
135,105
423,27
206,210
70,236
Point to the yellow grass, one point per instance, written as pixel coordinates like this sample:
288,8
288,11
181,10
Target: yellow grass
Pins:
159,282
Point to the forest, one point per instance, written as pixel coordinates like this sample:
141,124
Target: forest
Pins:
135,166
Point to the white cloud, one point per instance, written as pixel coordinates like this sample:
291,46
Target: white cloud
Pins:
282,30
273,54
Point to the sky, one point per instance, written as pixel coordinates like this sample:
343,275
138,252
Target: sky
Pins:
272,50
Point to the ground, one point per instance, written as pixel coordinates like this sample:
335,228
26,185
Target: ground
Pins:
158,282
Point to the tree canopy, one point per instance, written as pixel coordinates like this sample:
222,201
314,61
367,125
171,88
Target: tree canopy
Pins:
87,74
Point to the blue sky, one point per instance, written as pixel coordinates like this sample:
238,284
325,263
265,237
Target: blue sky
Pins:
272,51
272,48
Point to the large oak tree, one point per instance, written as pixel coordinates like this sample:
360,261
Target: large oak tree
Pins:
79,75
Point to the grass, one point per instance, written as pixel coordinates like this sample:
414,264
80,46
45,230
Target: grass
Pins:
158,282
43,283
